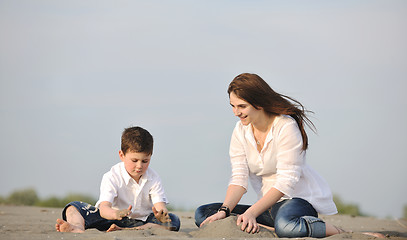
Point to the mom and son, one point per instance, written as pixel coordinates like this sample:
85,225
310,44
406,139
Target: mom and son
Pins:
267,147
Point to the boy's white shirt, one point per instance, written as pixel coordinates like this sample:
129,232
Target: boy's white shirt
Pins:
118,188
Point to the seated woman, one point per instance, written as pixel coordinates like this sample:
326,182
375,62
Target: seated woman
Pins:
268,146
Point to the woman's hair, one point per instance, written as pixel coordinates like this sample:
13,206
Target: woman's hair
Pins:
254,90
137,139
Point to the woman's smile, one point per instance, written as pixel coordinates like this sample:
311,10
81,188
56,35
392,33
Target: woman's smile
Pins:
242,117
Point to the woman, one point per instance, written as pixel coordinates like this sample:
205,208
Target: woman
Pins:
268,147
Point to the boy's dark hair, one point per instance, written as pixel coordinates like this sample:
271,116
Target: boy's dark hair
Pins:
137,139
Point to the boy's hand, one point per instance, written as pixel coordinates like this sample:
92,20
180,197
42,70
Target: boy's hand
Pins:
123,213
162,215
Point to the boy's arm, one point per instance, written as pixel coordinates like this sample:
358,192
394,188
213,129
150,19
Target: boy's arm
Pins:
107,212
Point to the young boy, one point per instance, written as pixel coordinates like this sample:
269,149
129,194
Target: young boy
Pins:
131,194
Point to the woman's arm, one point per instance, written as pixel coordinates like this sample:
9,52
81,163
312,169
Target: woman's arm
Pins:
107,212
233,196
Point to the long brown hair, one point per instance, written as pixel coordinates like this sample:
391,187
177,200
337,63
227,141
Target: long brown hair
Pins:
254,90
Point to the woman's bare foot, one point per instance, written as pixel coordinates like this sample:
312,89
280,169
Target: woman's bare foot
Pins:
375,234
332,230
64,226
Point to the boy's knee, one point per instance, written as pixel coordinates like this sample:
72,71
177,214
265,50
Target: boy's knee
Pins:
71,210
75,207
175,222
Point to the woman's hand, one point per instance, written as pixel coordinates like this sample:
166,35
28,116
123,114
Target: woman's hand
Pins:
214,217
248,222
248,219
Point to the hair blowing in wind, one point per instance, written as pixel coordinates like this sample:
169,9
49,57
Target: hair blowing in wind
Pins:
254,90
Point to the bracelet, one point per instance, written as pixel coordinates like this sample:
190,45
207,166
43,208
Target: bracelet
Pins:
224,209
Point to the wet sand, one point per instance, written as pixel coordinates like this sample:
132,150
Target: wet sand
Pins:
22,222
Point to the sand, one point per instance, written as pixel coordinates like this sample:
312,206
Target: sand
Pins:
22,222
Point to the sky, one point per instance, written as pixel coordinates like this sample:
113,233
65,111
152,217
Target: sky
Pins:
74,74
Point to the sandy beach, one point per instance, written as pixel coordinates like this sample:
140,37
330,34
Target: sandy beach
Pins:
22,222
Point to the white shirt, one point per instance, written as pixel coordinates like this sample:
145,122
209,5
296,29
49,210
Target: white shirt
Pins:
280,164
120,189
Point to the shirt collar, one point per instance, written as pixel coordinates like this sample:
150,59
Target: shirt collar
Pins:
127,178
250,136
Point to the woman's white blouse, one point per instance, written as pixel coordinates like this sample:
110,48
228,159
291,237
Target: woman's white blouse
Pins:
280,164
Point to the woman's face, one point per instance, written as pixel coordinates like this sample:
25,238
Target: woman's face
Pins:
243,110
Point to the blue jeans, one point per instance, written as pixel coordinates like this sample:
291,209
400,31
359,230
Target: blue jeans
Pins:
291,218
92,218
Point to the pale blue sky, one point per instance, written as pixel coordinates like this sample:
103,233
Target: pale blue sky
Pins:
74,74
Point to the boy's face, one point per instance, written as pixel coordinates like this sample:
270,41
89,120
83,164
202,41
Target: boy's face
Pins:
136,163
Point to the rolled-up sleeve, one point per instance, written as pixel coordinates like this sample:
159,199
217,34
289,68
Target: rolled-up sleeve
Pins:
108,189
290,158
157,192
240,169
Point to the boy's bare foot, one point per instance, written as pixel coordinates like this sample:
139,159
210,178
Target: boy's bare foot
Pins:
64,226
114,227
146,226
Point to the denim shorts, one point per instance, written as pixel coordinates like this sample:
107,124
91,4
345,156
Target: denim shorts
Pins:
92,218
291,218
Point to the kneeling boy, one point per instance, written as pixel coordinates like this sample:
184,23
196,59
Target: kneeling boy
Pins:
131,194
